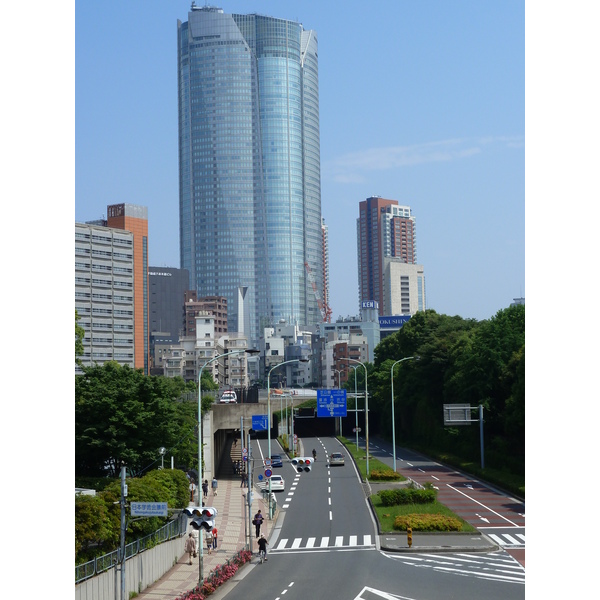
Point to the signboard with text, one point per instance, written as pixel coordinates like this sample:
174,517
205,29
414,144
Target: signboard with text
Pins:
149,509
260,422
331,403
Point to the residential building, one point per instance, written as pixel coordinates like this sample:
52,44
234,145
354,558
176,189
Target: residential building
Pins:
130,217
403,287
249,166
216,305
104,294
384,230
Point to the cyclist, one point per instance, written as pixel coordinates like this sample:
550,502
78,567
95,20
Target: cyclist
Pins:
314,454
262,546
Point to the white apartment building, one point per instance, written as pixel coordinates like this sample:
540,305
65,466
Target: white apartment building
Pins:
104,289
403,287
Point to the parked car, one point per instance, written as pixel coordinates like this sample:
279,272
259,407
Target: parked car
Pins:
228,397
336,458
276,460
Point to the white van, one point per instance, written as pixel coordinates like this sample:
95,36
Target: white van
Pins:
228,397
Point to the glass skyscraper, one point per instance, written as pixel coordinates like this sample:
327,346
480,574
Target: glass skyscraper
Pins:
249,166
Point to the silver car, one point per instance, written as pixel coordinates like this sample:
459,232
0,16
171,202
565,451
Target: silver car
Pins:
336,458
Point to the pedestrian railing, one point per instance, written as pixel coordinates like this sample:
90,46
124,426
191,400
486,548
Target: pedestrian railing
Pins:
102,563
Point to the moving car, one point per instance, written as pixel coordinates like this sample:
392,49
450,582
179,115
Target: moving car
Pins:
276,460
336,458
228,397
277,483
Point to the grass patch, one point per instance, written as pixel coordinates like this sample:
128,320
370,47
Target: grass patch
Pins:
378,471
386,515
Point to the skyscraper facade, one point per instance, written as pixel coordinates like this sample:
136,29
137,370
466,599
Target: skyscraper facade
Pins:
249,165
384,229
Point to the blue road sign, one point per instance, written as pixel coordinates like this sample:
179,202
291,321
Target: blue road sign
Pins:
260,422
331,403
268,473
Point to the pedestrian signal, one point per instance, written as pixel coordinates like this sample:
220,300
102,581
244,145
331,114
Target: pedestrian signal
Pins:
302,463
203,517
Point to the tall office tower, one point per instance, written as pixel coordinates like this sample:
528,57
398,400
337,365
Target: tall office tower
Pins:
167,289
384,229
135,219
249,165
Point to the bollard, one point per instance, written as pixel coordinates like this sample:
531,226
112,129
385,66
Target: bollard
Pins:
409,536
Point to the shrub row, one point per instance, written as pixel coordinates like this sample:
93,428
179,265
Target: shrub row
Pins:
419,522
385,475
218,576
407,496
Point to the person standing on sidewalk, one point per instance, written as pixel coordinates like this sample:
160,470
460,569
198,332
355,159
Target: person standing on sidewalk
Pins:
205,488
215,485
209,541
195,535
214,534
190,547
257,522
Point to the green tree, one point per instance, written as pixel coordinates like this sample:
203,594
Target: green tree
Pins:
79,335
123,415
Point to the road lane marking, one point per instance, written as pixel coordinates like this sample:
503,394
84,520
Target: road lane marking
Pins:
483,505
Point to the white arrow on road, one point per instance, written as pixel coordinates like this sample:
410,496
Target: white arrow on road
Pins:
482,518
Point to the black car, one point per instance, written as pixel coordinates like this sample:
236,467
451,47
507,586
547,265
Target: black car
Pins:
276,460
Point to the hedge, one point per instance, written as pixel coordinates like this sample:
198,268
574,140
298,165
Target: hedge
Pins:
420,522
407,496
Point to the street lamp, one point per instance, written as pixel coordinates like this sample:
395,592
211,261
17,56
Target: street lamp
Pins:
339,375
162,451
393,421
200,475
366,409
269,412
355,404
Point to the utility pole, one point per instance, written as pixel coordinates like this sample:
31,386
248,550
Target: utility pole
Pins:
123,528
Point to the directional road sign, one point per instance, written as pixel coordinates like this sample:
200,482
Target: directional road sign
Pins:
260,422
331,403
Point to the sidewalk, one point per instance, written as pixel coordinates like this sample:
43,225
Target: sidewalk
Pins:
232,526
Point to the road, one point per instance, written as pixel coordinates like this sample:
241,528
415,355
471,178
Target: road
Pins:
325,546
491,511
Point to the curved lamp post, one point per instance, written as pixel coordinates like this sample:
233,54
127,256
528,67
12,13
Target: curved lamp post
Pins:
393,420
366,409
355,404
286,362
200,475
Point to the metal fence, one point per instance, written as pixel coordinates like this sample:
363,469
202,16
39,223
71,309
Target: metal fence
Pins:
102,563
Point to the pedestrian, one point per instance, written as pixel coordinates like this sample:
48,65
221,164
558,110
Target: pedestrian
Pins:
214,534
243,482
196,541
190,547
205,488
235,442
214,486
209,541
258,521
192,490
262,545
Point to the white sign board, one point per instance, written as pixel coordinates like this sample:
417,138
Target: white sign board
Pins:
149,509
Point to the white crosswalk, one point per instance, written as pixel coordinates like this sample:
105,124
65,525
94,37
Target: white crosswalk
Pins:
325,542
508,539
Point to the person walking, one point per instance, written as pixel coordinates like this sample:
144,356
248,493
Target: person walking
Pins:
209,541
192,490
190,547
215,533
196,537
257,522
215,485
205,488
244,482
262,545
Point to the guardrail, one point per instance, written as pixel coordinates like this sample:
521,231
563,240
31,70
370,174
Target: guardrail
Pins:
104,562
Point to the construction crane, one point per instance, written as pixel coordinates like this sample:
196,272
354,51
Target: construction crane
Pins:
325,310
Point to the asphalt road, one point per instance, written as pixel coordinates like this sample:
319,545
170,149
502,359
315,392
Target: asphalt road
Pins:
324,545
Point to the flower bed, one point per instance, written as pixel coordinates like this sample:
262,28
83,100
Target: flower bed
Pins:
218,576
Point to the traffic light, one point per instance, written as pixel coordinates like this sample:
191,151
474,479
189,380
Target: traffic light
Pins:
203,517
302,463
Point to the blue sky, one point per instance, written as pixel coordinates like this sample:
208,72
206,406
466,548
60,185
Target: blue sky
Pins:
420,102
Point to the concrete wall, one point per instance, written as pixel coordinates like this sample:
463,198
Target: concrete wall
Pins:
141,571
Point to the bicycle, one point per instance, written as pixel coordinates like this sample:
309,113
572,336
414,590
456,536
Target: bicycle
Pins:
262,556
